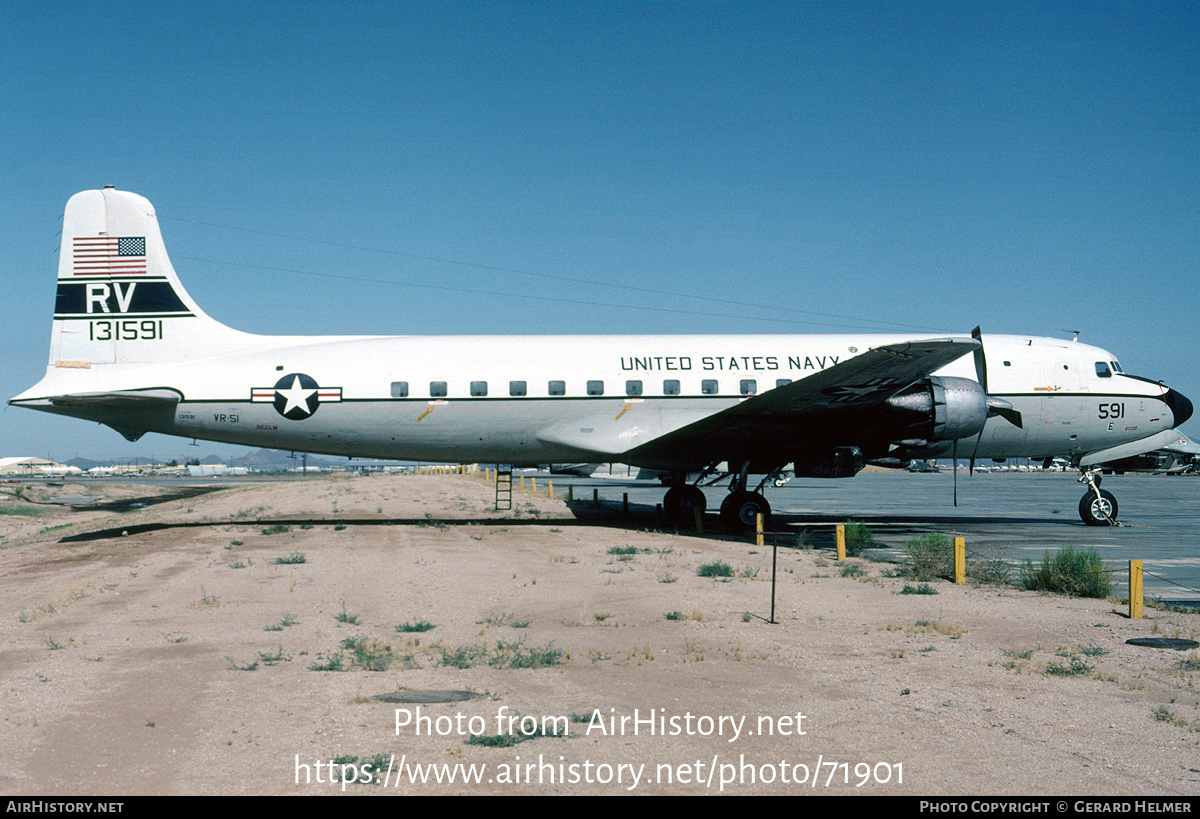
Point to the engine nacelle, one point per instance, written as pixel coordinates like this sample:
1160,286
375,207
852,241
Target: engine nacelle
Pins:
840,462
938,409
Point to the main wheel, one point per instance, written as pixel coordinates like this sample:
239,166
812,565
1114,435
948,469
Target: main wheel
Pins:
740,510
1098,511
679,502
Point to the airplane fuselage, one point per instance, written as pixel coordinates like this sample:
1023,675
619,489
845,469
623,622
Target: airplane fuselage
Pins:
537,399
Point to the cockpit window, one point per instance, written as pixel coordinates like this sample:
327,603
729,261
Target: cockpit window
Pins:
1102,370
1116,365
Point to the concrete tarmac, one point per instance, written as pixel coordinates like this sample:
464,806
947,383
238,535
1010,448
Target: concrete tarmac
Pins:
1010,515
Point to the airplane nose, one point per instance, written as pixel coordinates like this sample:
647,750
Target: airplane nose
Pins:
1181,407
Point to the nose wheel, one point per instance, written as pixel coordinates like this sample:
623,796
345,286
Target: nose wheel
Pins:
1097,507
1098,510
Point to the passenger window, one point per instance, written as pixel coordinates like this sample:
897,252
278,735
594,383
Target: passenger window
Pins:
708,386
437,389
633,387
399,389
516,387
780,382
558,387
478,388
749,386
595,388
1102,370
671,387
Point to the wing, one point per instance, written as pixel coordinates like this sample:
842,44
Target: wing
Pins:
832,403
1169,439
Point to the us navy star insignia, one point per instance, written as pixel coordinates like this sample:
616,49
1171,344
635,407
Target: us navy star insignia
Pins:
857,392
296,396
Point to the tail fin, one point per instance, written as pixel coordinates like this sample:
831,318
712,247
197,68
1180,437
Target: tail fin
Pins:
119,300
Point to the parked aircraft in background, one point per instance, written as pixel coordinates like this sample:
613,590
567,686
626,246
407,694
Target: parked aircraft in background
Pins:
131,349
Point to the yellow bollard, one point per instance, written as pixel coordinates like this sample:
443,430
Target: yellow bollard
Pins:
758,527
533,485
1135,590
550,490
960,560
841,541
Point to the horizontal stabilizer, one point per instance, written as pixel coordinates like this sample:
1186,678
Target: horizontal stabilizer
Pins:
121,399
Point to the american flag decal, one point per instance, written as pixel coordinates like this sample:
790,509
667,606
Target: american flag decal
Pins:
108,255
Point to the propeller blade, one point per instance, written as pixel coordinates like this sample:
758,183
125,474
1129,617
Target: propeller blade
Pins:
1009,414
996,406
980,359
955,472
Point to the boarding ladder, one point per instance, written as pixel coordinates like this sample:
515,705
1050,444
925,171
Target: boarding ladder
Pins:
503,488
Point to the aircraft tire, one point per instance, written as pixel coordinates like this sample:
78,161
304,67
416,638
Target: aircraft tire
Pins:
1100,511
739,509
679,502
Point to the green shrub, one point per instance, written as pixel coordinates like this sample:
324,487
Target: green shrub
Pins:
518,655
1080,574
1077,667
333,662
930,556
368,653
718,569
858,538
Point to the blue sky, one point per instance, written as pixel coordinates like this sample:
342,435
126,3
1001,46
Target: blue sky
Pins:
900,166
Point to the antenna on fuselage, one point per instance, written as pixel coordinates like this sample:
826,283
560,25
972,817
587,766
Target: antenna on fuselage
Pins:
1065,330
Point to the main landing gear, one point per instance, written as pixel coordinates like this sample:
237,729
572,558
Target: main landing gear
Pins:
682,499
739,510
1097,507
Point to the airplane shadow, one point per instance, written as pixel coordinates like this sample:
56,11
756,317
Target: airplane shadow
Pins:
787,530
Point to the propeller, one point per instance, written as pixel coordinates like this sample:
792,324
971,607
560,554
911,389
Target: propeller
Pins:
995,406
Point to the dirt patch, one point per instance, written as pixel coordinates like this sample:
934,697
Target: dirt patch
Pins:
250,643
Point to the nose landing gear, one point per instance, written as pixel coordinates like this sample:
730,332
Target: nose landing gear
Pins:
1097,507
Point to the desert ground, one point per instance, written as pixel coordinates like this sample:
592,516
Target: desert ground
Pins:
303,637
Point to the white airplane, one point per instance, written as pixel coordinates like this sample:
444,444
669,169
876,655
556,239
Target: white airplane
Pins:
131,349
